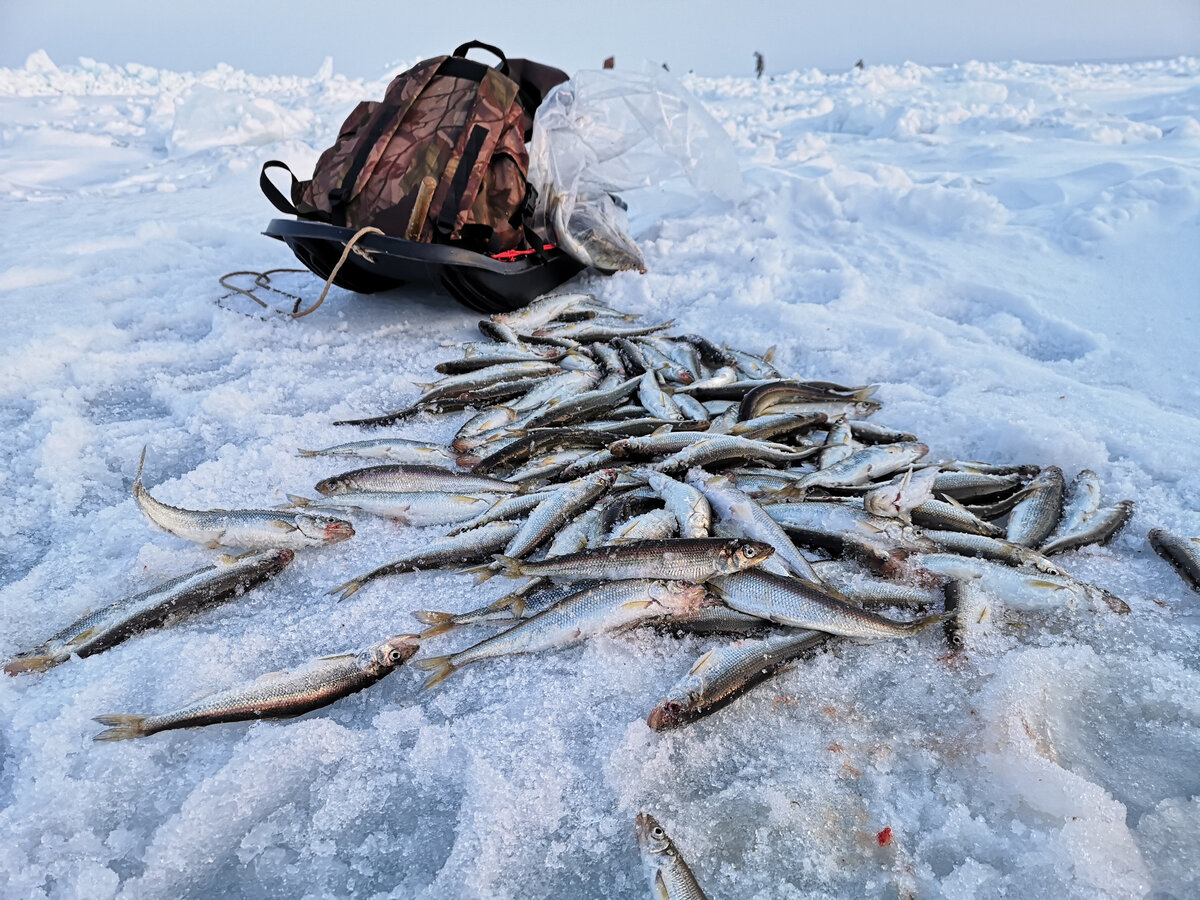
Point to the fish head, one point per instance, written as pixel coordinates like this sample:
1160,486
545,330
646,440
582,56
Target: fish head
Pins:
334,485
393,652
324,529
742,553
652,839
673,709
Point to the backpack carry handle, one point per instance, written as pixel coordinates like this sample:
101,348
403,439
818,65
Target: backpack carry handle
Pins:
461,50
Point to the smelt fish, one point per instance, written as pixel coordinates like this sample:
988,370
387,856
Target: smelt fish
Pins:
670,877
1182,553
275,696
799,604
250,529
725,673
611,606
183,596
684,559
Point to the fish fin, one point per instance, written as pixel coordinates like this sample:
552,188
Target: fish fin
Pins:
482,572
82,636
439,622
35,663
864,392
137,479
770,354
703,662
332,656
919,625
348,589
440,666
637,604
660,886
295,501
307,453
122,728
513,568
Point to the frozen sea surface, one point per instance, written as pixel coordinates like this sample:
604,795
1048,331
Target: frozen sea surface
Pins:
1011,251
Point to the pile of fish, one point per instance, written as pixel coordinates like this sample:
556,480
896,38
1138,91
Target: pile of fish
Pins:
629,477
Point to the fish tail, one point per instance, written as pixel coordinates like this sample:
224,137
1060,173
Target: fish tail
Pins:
137,479
349,589
513,568
439,622
33,663
441,666
919,625
122,728
308,452
481,572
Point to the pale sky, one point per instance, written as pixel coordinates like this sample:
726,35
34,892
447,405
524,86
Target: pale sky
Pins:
711,38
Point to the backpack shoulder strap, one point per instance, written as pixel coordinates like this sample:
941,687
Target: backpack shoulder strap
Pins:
385,120
490,113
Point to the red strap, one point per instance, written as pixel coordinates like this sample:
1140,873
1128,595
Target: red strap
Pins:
510,255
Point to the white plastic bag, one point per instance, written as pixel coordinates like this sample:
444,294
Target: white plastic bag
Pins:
604,132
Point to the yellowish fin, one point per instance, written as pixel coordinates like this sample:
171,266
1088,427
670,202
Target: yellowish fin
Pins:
122,728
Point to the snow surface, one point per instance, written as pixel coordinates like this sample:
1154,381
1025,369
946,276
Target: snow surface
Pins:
1011,251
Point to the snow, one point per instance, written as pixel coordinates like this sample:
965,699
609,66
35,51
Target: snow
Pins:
1009,250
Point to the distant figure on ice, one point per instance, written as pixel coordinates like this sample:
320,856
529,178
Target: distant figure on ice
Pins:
758,64
859,64
610,62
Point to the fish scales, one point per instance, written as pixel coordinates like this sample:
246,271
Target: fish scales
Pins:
725,673
179,597
794,602
275,696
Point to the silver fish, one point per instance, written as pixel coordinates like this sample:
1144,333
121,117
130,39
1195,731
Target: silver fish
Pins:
1032,519
611,606
657,401
556,509
275,696
526,602
738,512
720,447
950,515
1182,553
725,673
657,524
474,545
863,466
412,479
694,560
183,596
670,877
249,529
416,508
800,604
393,449
1017,588
689,506
992,548
1099,528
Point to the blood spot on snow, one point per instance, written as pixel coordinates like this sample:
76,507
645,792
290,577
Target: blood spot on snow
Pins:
884,837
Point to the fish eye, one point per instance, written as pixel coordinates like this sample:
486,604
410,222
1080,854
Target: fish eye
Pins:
658,833
674,707
394,656
749,552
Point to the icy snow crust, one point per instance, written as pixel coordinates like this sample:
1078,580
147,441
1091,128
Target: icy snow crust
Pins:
1010,250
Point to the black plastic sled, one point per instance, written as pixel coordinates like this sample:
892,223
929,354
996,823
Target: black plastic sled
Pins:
483,283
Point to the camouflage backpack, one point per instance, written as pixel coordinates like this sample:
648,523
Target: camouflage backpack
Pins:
440,159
